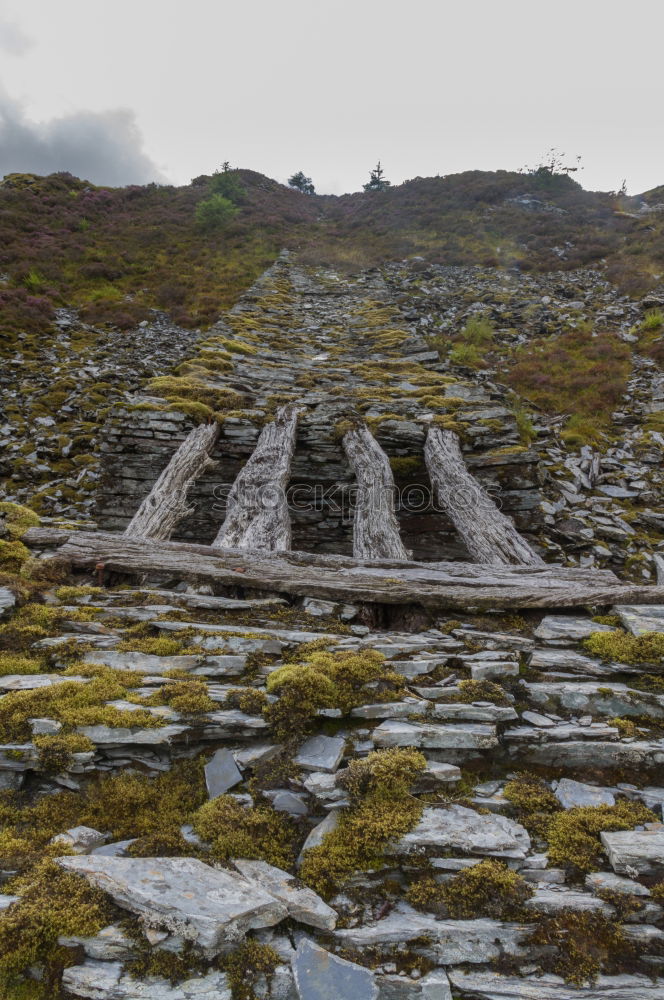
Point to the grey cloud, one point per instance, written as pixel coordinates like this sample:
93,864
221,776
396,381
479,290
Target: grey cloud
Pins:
105,147
13,39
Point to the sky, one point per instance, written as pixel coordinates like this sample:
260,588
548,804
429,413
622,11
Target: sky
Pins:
131,91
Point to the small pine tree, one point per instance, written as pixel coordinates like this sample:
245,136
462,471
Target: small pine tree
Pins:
302,183
377,180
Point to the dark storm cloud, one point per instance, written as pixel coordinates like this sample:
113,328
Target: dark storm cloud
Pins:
105,147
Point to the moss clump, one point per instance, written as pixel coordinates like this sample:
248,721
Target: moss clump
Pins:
11,663
607,620
67,594
29,624
405,467
470,691
488,889
382,810
154,645
189,697
584,944
327,680
134,805
235,832
17,519
249,700
249,968
623,647
53,903
56,750
533,801
196,398
574,835
175,967
12,556
73,704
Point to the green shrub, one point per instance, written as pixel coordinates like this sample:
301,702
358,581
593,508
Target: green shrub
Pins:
215,212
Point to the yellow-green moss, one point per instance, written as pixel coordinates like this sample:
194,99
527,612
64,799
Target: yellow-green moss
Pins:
12,663
56,750
382,810
471,690
573,835
488,889
578,945
533,801
53,903
235,832
68,594
327,680
623,647
248,967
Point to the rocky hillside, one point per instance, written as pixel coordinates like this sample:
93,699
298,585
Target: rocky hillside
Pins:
219,780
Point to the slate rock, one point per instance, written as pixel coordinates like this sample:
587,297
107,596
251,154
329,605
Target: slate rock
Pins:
320,975
107,981
205,905
494,986
572,794
568,628
640,618
321,753
221,773
7,601
434,986
639,851
80,839
302,903
460,828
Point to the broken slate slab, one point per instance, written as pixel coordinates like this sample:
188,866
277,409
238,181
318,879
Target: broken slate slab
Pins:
80,839
303,904
208,906
463,829
572,794
321,753
473,736
320,975
568,628
632,851
7,600
221,773
108,981
639,618
494,986
434,986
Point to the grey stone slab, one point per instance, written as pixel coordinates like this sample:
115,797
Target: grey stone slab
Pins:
205,905
434,986
472,736
7,601
449,942
640,618
466,830
111,944
635,851
613,699
30,682
320,975
284,800
588,753
119,736
107,981
572,794
570,662
597,881
6,901
80,839
494,986
319,832
221,773
320,753
302,903
148,663
568,628
552,901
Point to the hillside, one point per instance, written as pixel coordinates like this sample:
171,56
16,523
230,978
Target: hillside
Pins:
331,592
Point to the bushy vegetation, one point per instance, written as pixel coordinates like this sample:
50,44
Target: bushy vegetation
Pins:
575,373
382,810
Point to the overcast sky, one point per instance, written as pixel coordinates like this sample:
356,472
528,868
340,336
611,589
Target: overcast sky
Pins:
122,91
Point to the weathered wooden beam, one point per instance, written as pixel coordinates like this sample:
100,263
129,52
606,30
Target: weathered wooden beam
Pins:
166,503
257,516
375,526
490,537
433,585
